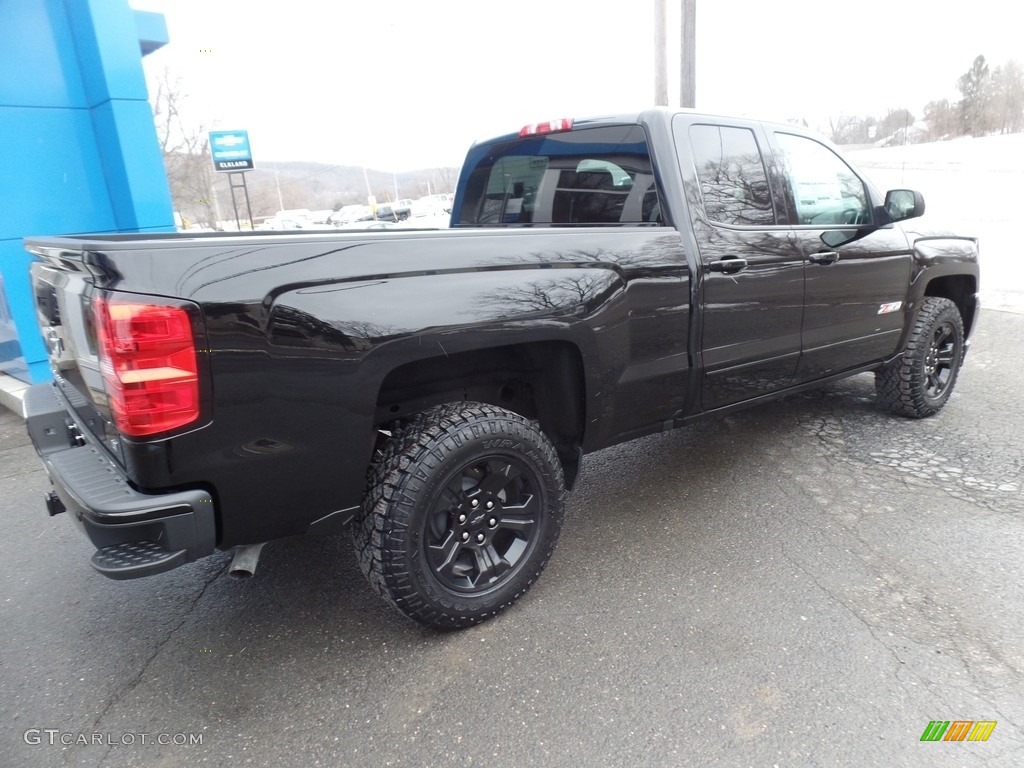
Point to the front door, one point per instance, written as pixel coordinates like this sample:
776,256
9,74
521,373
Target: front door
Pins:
857,276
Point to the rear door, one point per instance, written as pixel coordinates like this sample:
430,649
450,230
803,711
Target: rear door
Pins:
857,275
752,268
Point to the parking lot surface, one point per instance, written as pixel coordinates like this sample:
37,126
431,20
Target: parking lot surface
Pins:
808,583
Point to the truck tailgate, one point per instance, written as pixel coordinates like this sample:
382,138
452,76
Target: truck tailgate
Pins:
63,289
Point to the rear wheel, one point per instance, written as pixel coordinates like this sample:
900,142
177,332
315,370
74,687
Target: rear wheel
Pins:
462,514
922,380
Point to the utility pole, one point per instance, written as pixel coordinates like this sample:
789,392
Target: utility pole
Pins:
660,56
688,56
277,180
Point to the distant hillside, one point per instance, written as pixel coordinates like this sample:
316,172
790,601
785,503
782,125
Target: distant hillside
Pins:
319,186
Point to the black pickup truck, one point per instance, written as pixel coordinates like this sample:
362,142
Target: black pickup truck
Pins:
434,391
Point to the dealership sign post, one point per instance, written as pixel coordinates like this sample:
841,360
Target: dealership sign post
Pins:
232,155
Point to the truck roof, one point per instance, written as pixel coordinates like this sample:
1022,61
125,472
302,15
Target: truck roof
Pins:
647,116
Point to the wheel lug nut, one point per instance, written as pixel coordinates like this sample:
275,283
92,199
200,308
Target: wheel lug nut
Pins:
480,538
492,522
475,503
490,505
465,535
463,518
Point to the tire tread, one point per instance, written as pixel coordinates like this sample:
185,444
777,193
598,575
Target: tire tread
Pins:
900,385
380,528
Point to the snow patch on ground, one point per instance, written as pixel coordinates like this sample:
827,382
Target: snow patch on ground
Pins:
972,187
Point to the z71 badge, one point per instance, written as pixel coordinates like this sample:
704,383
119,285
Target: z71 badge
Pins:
892,306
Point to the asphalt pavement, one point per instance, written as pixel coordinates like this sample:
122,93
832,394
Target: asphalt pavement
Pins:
808,583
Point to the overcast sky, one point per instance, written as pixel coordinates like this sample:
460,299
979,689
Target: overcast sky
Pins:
405,84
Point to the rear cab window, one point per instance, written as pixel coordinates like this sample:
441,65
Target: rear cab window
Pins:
582,177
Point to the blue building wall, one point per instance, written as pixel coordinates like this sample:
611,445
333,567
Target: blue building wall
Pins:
78,148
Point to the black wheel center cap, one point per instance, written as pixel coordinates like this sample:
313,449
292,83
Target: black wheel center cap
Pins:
483,515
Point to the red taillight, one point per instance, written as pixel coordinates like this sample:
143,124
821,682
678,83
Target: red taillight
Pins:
552,126
148,360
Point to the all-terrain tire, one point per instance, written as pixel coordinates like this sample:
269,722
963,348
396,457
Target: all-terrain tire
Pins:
920,382
462,512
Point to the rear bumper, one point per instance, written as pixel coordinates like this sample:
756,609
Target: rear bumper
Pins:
136,534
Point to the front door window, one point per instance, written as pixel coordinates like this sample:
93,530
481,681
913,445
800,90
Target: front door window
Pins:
825,190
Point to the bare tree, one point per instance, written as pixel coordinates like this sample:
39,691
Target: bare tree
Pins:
894,128
974,106
851,129
186,152
941,118
1008,97
446,178
839,128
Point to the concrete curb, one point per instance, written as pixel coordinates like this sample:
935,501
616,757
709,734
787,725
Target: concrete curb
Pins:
12,394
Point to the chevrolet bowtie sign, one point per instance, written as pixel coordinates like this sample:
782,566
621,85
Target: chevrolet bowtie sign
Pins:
230,150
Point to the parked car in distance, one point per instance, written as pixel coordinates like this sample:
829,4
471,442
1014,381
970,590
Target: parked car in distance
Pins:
427,213
397,211
348,214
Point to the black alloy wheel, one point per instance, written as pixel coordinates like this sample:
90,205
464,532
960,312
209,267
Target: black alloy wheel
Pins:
483,524
462,513
941,360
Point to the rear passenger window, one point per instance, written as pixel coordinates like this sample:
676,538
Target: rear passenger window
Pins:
733,182
584,177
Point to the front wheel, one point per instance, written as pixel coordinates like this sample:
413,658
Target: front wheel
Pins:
462,514
920,382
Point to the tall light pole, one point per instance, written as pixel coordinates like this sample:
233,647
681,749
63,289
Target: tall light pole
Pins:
688,55
277,180
660,56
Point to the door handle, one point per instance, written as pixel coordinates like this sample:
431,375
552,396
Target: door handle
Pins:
824,257
728,265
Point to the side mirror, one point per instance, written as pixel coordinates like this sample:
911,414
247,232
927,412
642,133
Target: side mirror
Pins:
902,204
